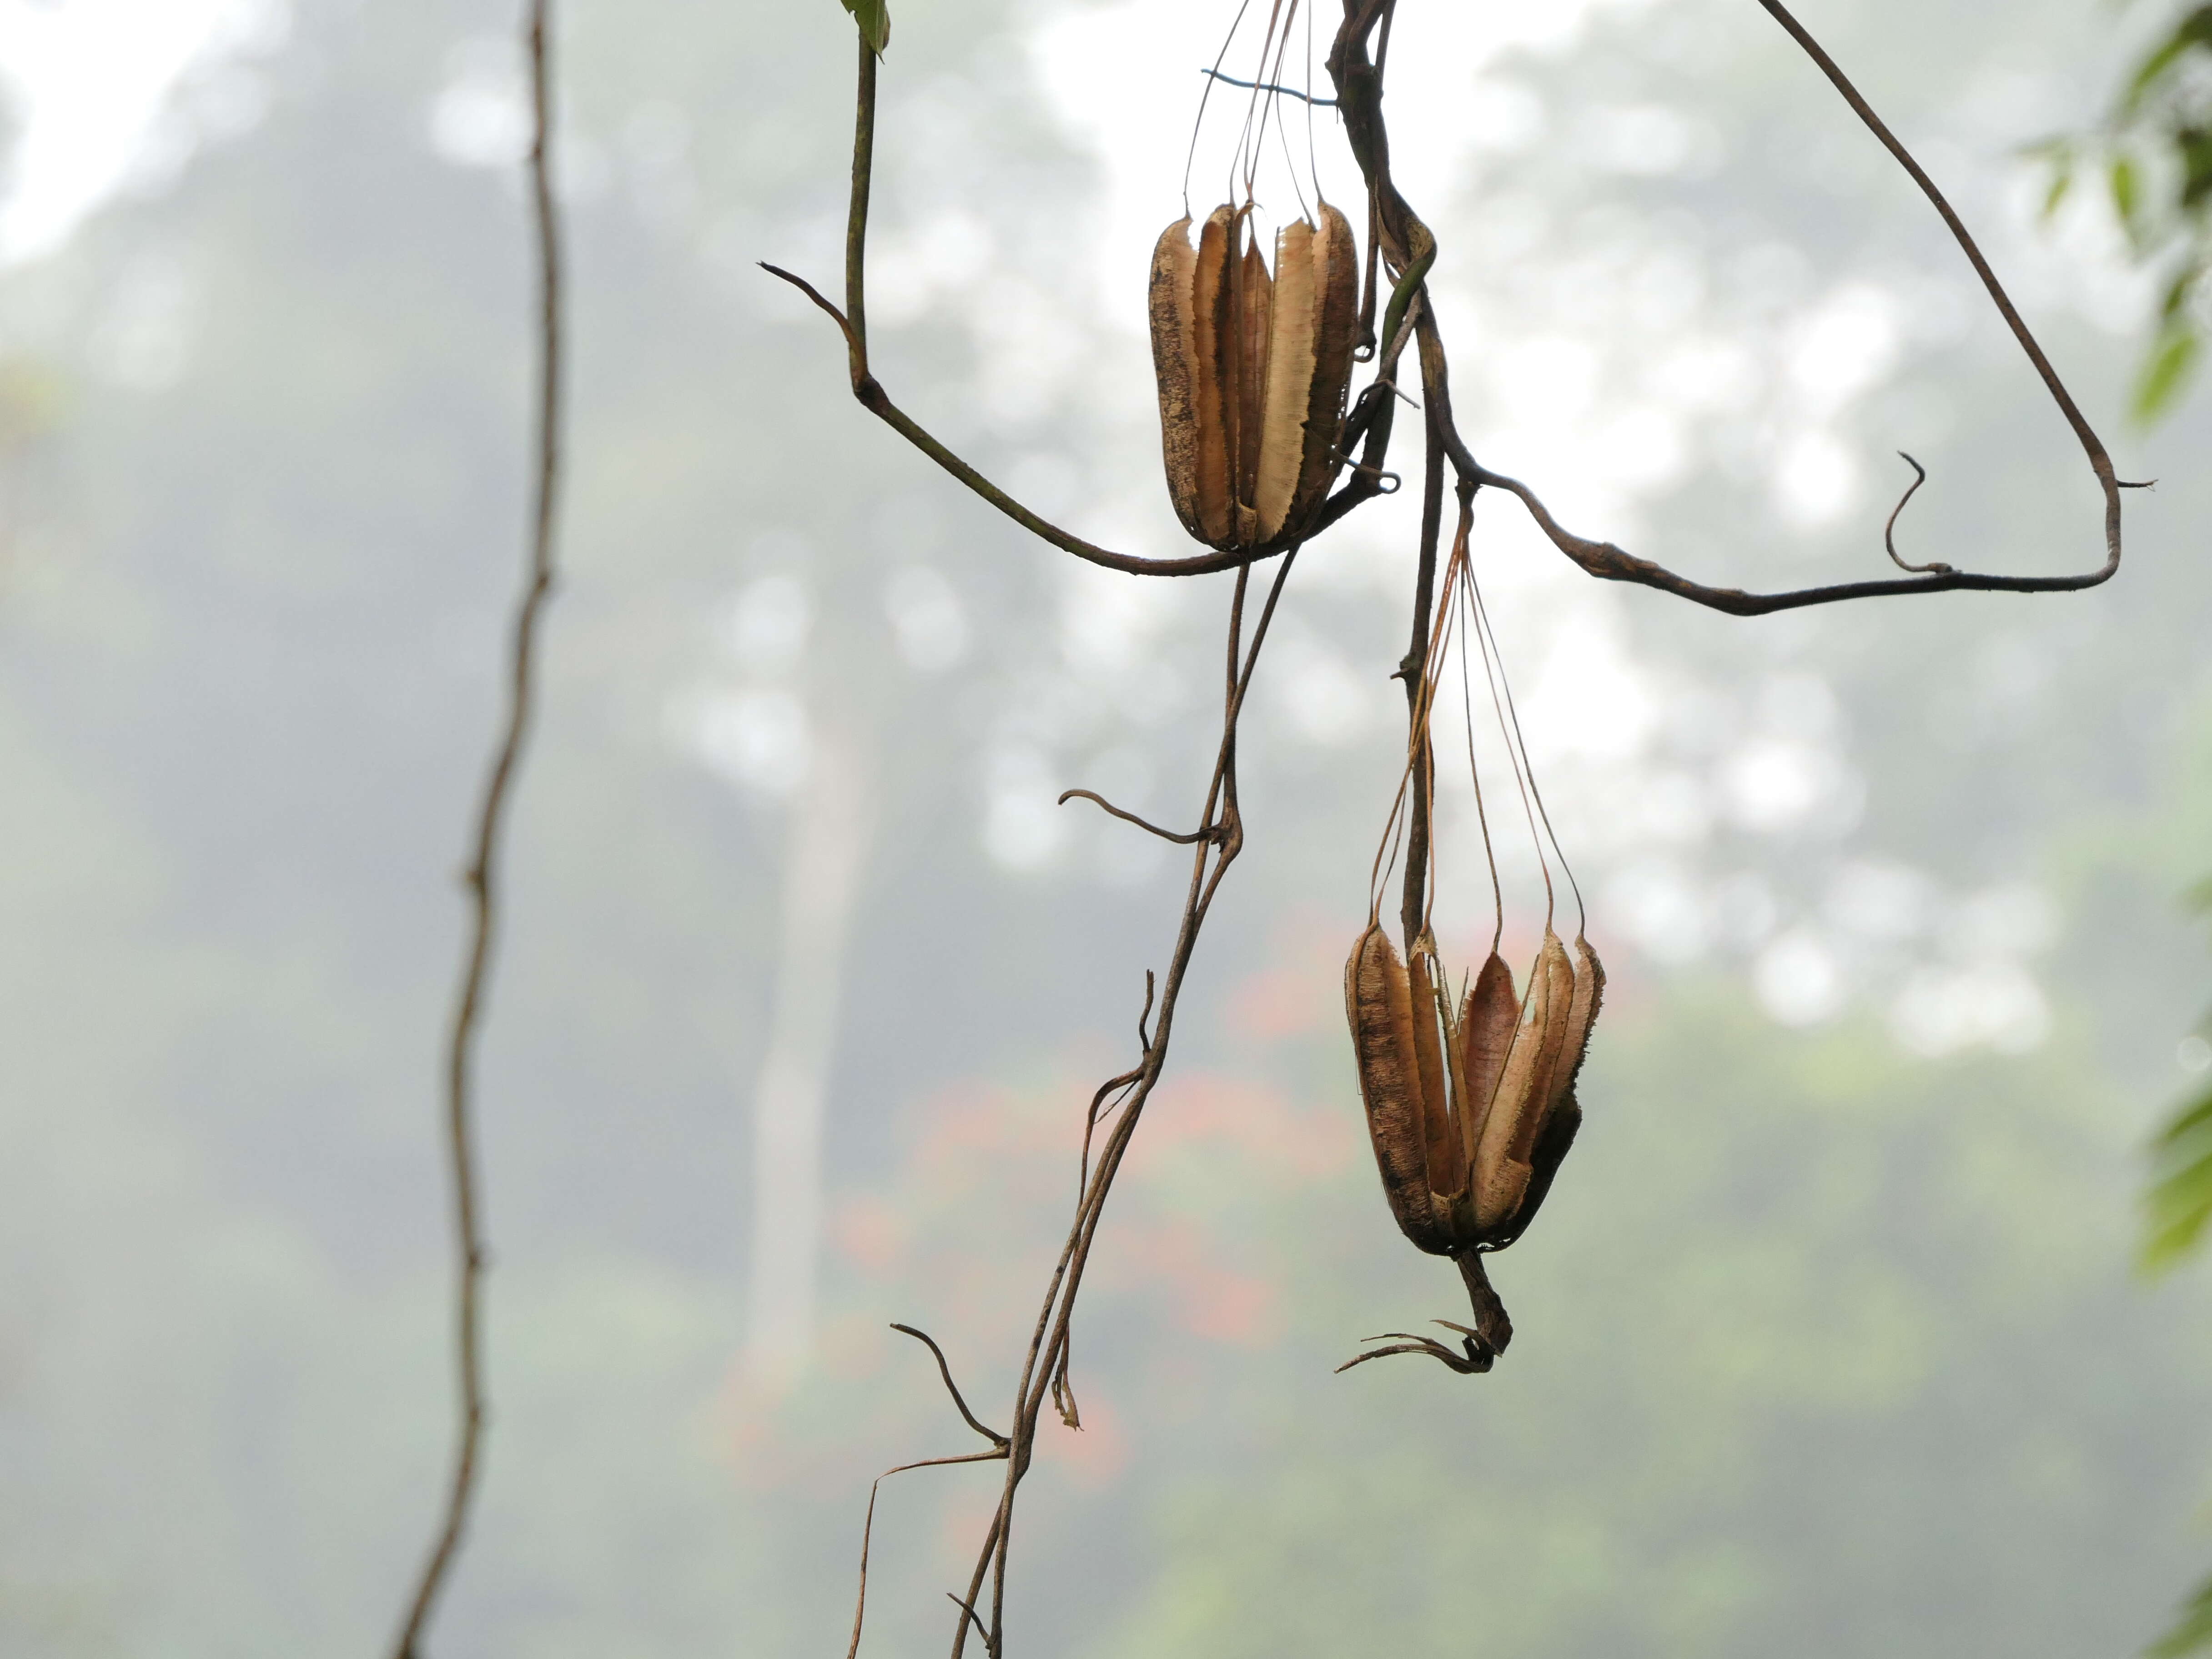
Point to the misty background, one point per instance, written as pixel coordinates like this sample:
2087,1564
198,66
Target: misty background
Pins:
1829,1341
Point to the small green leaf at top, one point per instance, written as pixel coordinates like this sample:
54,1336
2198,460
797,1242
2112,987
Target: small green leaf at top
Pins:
874,17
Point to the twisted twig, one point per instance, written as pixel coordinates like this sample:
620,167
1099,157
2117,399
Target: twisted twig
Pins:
483,876
1099,800
1407,244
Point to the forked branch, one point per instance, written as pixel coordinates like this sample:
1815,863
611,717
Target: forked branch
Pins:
1405,244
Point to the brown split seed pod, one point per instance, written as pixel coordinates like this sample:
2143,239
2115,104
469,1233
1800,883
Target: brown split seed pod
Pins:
1253,371
1486,1018
1469,1112
1566,1117
1504,1158
1378,1003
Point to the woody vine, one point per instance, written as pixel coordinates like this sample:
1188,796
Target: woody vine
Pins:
1414,1117
1470,1104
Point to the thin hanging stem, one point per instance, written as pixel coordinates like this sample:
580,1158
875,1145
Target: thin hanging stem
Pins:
1481,812
1041,1375
1198,121
1282,132
1513,712
1413,669
483,879
1500,699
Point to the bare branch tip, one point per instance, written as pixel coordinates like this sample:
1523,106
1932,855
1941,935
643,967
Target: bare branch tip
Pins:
1212,832
1265,86
1889,529
968,1609
1480,1355
815,295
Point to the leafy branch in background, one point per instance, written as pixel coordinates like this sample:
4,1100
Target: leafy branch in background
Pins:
2153,156
2177,1210
2178,1206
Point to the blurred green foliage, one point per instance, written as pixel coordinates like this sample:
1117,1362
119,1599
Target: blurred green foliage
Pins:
2155,160
2153,156
2177,1206
2179,1202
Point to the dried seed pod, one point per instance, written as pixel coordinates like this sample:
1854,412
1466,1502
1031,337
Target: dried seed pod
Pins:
1552,1149
1175,350
1566,1117
1503,1160
1448,1145
1582,1014
1470,1113
1378,1004
1252,370
1425,977
1486,1018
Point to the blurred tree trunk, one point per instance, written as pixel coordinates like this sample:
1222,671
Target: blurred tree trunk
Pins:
828,832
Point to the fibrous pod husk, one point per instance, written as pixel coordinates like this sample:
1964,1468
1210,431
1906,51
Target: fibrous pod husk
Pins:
1506,1155
1425,978
1252,370
1378,1003
1565,1117
1470,1110
1487,1016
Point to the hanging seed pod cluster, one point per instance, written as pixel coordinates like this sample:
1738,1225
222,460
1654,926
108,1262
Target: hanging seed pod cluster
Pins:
1470,1110
1253,369
1470,1102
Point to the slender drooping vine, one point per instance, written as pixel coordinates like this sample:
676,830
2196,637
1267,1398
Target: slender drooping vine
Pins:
1406,250
482,878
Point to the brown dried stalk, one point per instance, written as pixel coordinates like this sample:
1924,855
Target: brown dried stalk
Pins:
484,872
853,320
1408,249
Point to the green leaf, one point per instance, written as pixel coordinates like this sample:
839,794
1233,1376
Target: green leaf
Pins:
2192,1632
2191,1122
2178,1206
2194,145
874,17
2165,371
2171,309
2062,181
2127,192
2194,30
